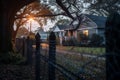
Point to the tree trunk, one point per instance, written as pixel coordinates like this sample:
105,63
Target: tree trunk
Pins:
6,23
14,33
8,10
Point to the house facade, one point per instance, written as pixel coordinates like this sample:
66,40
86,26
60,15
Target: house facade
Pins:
59,32
100,22
89,26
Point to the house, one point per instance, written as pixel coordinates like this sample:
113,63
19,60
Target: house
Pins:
99,22
90,24
43,35
63,32
93,25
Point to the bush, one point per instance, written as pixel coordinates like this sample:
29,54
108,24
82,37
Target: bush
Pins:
96,40
71,42
11,58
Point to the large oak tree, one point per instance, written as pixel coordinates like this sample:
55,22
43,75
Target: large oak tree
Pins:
8,10
35,11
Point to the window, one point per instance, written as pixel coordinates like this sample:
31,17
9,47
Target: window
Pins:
85,32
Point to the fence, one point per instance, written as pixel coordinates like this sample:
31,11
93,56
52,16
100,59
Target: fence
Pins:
24,46
53,65
57,66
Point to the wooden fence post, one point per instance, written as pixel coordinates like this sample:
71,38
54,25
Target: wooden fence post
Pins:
23,49
113,47
52,56
37,57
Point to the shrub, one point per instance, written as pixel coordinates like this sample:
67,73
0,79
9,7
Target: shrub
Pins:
11,58
70,42
96,40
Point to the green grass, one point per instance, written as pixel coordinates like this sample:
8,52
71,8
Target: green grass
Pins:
88,50
73,62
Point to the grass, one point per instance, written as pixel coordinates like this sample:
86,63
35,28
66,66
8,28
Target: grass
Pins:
73,62
88,50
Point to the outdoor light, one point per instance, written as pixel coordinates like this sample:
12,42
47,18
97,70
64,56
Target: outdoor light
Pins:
30,19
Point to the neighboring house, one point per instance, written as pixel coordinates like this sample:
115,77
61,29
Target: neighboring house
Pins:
43,35
90,25
63,32
100,23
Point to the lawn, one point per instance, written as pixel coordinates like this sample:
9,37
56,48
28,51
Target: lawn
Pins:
88,50
94,67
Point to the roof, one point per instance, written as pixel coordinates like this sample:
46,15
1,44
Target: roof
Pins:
63,27
99,20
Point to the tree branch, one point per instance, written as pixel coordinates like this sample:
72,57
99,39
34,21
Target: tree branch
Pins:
59,2
45,15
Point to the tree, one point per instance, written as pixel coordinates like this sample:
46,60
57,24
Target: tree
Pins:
22,32
63,22
104,7
74,8
34,10
8,10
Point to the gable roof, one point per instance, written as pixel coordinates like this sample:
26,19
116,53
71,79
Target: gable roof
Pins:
99,20
66,27
63,27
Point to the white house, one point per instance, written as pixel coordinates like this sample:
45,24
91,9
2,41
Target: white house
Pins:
44,35
90,25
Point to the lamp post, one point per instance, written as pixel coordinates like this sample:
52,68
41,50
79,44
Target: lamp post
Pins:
30,25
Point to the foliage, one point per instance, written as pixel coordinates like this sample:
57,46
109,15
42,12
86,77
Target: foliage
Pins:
63,22
22,32
70,42
96,40
11,58
35,11
83,38
57,40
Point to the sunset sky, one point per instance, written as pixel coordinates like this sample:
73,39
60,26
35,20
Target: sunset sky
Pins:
34,25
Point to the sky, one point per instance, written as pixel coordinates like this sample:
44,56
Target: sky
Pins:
34,25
